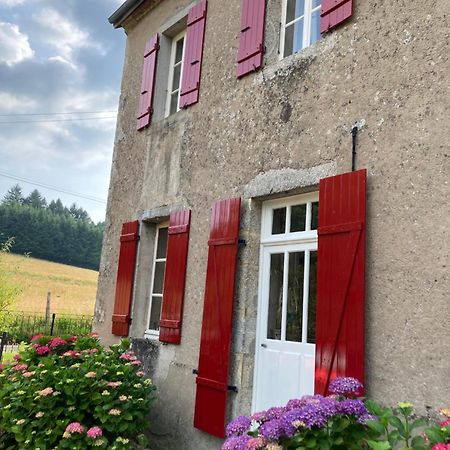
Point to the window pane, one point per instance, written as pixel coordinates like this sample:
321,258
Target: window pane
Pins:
295,297
179,50
312,299
315,3
294,9
298,218
161,250
314,215
279,221
176,77
315,26
155,314
293,41
159,278
174,103
275,296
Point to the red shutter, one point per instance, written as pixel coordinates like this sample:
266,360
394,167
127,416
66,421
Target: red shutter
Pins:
192,64
175,277
251,42
148,83
340,279
212,379
125,278
334,12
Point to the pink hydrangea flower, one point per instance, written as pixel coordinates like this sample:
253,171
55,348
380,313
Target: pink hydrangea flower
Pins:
57,342
74,427
16,357
45,392
93,350
72,338
127,357
140,373
28,374
136,362
71,353
441,447
93,334
445,423
43,350
94,432
114,384
36,337
19,367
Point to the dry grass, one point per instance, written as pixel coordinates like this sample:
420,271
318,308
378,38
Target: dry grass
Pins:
73,289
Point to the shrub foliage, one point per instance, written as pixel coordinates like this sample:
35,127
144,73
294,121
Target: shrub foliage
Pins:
71,393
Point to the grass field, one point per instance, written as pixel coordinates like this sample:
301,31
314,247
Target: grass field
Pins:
73,289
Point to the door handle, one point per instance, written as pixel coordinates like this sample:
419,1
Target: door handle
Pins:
264,345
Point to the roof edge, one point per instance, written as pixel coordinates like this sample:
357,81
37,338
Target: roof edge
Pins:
118,17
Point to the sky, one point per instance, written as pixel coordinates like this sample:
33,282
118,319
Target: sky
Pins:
59,56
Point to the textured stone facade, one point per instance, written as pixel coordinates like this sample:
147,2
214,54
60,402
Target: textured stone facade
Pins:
277,132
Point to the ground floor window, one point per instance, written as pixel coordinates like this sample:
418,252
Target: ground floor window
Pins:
285,350
157,280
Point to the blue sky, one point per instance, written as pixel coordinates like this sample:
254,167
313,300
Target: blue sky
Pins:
59,56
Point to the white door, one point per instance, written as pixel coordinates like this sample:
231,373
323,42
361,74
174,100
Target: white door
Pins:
285,349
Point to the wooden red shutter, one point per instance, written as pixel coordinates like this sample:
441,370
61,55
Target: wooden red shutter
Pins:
175,277
148,83
125,278
251,42
340,279
212,379
192,63
334,12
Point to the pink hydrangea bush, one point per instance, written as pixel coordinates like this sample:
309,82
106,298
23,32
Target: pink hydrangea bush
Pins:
340,421
71,393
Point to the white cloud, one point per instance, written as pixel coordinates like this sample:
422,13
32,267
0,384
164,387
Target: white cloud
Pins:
11,103
14,45
11,3
62,34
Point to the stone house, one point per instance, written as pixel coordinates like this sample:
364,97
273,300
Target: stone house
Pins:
278,213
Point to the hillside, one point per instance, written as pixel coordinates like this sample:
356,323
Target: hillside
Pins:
73,289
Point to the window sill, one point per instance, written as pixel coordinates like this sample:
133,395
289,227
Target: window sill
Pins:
151,335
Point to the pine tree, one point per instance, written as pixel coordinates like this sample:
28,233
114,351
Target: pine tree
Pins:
36,200
13,196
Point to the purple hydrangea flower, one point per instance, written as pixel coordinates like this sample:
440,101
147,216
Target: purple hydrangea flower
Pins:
272,430
351,407
238,426
365,417
236,443
345,386
256,443
295,403
275,412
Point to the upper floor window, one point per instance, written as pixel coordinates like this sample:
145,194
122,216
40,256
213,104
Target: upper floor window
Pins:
300,25
175,73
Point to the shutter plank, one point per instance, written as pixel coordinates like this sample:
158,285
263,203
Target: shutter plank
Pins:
251,41
125,278
212,380
340,279
334,12
145,111
192,64
175,277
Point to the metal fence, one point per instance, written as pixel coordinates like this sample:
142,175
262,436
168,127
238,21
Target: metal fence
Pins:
20,327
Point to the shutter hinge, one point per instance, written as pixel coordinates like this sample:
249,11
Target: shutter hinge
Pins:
195,371
233,389
242,242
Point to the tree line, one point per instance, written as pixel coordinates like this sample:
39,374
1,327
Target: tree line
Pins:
50,231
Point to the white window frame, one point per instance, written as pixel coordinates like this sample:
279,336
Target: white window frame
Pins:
173,51
149,333
286,242
306,41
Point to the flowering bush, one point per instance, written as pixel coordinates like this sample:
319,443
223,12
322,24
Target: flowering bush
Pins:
340,421
68,392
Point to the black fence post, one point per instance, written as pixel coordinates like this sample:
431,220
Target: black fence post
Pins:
2,344
53,324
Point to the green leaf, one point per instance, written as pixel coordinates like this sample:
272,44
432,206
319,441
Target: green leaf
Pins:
397,423
379,445
376,426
